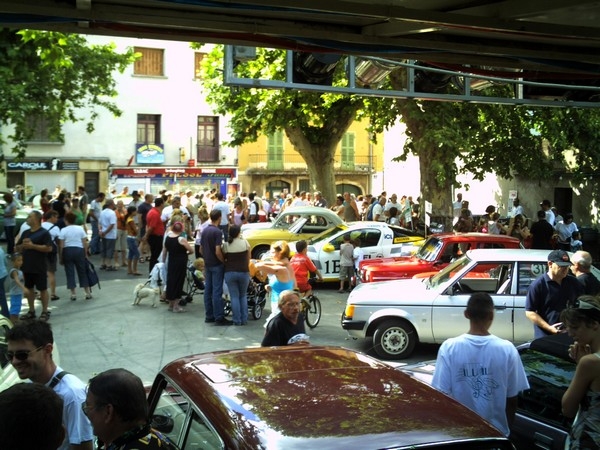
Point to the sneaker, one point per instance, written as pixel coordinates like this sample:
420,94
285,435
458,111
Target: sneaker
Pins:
223,322
209,320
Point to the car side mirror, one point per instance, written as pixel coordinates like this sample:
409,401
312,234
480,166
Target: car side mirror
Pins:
328,248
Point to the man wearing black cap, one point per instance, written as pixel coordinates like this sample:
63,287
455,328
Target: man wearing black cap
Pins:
548,295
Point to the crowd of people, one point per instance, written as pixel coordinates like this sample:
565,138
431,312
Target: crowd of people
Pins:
551,230
477,368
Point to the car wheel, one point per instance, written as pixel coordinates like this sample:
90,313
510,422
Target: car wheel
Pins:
394,339
259,251
257,311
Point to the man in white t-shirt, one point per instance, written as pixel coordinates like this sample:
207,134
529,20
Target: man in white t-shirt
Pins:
480,370
378,210
392,203
223,206
456,208
107,225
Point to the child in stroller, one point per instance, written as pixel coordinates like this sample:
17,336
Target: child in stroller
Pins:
195,279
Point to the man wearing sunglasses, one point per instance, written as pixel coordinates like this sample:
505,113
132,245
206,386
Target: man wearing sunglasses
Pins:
117,407
550,294
30,345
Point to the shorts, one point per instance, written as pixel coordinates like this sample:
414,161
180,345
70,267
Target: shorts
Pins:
108,248
16,301
37,280
346,272
304,287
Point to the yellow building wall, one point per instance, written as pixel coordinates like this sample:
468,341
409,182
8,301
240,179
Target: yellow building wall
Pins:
361,149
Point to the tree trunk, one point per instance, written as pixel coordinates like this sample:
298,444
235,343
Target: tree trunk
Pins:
437,168
319,160
434,190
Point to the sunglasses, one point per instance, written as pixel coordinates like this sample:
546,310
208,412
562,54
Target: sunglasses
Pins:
22,355
87,408
580,304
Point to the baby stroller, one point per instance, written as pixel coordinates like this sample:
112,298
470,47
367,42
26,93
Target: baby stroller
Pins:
256,293
194,284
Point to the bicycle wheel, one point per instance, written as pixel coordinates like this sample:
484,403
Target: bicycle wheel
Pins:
312,311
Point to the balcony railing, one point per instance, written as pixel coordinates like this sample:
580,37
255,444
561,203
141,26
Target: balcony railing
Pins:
260,162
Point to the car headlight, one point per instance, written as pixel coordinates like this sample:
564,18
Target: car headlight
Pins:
349,311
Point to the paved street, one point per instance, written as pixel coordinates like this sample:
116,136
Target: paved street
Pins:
107,332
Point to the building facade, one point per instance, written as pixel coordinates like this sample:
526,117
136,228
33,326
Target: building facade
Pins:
166,138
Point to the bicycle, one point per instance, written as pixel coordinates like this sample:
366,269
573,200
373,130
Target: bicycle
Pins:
311,307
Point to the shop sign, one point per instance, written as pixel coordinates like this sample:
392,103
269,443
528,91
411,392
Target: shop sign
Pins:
28,165
174,172
149,153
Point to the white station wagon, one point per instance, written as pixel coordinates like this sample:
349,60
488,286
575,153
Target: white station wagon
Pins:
398,314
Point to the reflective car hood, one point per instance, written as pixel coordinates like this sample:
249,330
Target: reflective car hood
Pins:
409,290
324,397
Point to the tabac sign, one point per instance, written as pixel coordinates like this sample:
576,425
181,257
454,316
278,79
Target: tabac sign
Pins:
149,154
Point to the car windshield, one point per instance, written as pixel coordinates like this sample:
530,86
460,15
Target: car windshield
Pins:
430,249
326,234
284,221
445,274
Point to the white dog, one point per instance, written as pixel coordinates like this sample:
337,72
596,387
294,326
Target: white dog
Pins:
142,291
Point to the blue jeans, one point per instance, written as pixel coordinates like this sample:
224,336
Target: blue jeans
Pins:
95,241
213,293
237,282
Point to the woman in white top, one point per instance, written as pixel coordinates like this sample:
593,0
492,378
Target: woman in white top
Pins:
565,229
72,251
237,213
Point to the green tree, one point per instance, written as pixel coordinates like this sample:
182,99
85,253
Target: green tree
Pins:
450,138
54,76
313,122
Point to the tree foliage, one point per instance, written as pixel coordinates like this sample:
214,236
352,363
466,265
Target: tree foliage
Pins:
313,122
55,76
450,138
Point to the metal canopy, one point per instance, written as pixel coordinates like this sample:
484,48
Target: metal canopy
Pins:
546,40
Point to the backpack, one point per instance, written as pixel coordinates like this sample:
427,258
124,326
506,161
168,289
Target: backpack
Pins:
253,218
92,276
370,211
54,244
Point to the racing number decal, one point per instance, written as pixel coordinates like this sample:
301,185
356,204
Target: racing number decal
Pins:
332,266
538,269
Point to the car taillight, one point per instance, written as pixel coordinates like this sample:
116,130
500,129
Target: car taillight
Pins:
349,312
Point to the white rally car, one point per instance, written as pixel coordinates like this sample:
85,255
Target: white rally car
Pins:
377,240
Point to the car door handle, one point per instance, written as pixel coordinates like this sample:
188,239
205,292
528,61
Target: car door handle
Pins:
500,306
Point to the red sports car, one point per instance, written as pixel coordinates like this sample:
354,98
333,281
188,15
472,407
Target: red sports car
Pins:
435,254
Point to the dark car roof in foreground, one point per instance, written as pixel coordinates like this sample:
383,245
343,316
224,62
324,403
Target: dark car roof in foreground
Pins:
320,397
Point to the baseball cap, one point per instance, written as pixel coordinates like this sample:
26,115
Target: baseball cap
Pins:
545,202
560,258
